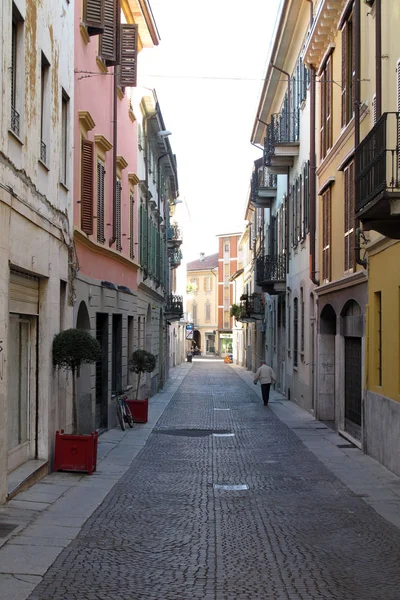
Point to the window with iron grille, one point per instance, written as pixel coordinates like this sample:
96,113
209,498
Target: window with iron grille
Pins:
348,49
326,108
64,137
131,224
349,200
118,215
326,236
100,201
295,331
16,66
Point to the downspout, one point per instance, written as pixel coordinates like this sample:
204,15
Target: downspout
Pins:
378,58
313,168
114,171
356,84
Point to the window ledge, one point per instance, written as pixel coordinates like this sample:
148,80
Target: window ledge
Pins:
132,115
43,164
11,132
64,185
120,92
101,64
84,33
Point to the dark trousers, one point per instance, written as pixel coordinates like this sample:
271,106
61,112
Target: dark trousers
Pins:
265,392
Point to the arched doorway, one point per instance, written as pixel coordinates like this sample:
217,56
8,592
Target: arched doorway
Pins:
196,344
83,380
325,408
352,329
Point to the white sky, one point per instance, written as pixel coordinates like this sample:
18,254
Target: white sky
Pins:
210,116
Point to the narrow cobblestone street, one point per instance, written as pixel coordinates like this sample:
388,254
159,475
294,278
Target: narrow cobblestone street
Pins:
166,531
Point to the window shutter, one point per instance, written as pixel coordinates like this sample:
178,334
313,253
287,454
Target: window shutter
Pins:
129,43
344,75
100,202
93,16
87,187
374,107
131,225
326,236
109,41
328,116
351,215
118,216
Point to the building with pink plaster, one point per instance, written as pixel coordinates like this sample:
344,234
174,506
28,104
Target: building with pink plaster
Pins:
119,226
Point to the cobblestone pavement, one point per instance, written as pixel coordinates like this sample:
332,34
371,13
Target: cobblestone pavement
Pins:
165,532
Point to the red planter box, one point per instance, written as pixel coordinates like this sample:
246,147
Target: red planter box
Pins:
75,452
139,409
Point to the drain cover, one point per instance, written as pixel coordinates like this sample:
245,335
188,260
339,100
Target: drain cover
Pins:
222,409
192,432
346,446
6,529
231,488
223,435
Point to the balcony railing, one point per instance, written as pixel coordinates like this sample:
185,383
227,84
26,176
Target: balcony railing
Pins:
251,307
271,270
176,258
174,235
377,161
174,307
261,180
15,121
283,129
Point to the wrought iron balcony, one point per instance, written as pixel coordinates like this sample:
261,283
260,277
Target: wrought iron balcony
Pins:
250,308
15,121
281,143
271,273
377,163
174,236
176,259
174,307
263,186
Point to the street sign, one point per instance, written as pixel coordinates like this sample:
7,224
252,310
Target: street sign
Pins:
189,334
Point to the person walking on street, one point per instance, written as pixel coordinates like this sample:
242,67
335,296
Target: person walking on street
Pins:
266,376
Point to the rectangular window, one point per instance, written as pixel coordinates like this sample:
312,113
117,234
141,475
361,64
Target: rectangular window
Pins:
289,322
378,337
226,320
306,194
118,216
100,201
87,186
208,311
326,108
207,283
194,310
295,331
226,247
326,236
349,201
44,106
16,69
347,70
131,224
226,270
64,137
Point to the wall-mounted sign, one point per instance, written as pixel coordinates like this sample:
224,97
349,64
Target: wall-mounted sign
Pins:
226,336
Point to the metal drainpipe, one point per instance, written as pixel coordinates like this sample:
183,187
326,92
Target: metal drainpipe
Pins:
146,161
115,139
356,84
313,191
378,58
288,76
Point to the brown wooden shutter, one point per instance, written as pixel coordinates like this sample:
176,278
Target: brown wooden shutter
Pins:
100,202
131,225
93,16
344,75
87,187
110,40
352,202
322,114
328,114
326,236
129,43
118,216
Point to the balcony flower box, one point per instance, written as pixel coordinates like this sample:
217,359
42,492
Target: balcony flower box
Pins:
75,452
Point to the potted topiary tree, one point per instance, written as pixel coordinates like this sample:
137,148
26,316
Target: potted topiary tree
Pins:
73,452
140,362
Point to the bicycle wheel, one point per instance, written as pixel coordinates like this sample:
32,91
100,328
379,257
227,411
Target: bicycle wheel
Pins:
120,417
129,417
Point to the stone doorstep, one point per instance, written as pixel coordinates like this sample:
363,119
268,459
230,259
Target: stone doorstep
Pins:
26,475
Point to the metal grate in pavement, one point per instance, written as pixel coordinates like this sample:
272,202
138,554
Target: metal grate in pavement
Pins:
238,487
